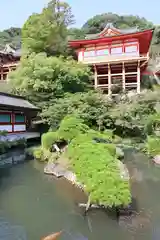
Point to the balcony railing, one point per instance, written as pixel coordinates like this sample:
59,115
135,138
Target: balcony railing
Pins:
113,58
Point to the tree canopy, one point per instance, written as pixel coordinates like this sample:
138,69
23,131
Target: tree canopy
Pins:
10,36
91,106
42,79
47,31
97,23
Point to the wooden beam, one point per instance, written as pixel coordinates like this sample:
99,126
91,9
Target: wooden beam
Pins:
102,75
109,80
117,74
138,78
127,59
144,63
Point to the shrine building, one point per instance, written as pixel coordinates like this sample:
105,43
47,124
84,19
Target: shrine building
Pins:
9,60
118,57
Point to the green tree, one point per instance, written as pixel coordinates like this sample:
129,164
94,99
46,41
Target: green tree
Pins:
10,36
76,33
43,79
47,31
97,23
130,114
92,107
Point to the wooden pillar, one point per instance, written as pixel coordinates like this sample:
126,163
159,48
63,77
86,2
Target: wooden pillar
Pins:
109,80
95,77
123,78
9,70
138,78
2,73
12,120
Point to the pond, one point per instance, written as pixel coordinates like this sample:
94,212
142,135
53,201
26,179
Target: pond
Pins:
33,205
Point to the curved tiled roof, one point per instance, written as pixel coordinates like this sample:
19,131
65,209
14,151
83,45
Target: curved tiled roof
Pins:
8,50
111,26
15,101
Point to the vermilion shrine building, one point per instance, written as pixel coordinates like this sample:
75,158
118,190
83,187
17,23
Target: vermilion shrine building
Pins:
118,57
9,60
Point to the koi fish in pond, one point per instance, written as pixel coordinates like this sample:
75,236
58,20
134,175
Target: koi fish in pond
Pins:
53,236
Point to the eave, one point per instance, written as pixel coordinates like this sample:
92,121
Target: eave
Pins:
143,35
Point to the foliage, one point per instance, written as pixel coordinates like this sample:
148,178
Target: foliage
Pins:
48,139
90,106
76,33
5,145
153,145
44,155
71,127
97,169
38,153
130,114
10,36
47,31
153,124
42,79
126,117
3,133
97,23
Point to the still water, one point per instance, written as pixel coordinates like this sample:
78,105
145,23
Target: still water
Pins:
33,205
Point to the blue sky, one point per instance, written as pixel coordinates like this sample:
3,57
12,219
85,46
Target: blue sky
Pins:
15,12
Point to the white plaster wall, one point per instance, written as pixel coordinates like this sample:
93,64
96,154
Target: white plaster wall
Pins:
7,128
20,127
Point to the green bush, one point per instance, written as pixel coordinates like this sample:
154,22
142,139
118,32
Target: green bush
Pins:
48,139
6,145
70,127
109,133
111,148
153,145
3,133
97,169
153,124
38,153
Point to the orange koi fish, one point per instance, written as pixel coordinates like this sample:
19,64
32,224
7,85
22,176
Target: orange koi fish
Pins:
53,236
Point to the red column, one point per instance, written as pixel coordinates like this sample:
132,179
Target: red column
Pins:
12,120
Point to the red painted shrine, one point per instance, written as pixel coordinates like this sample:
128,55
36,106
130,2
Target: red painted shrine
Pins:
9,60
118,57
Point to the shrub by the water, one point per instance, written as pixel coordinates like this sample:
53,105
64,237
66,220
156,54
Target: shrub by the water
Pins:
48,139
153,145
96,167
70,127
153,124
38,153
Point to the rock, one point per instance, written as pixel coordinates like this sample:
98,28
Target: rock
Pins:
119,152
54,169
123,170
156,159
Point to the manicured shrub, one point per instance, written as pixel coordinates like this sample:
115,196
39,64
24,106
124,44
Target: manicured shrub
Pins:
153,145
71,127
96,167
38,153
48,139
